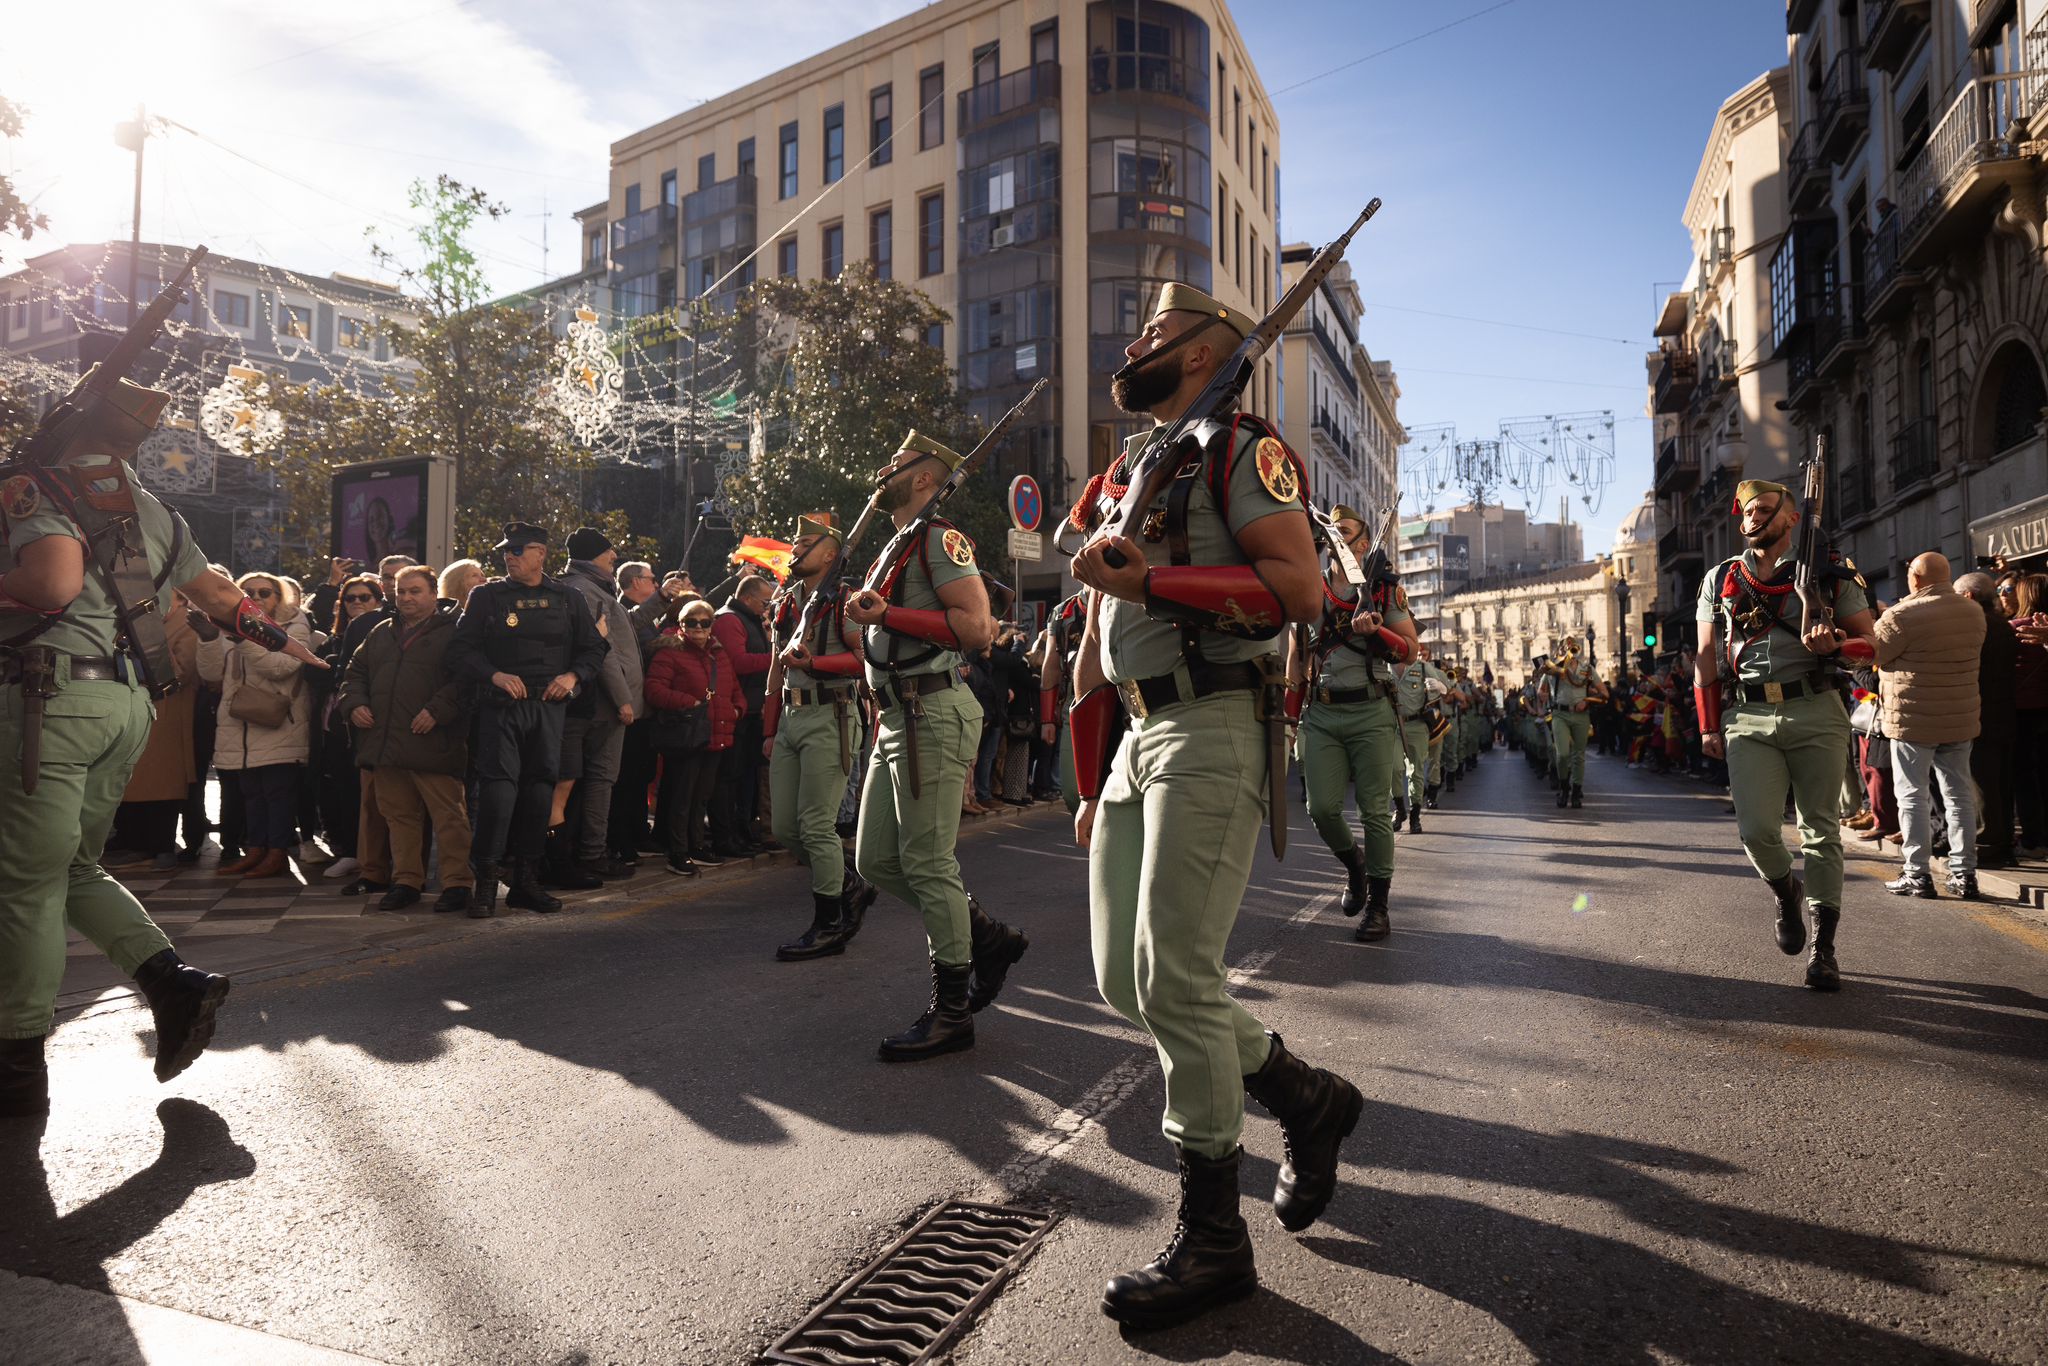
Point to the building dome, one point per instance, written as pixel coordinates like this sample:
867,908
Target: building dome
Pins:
1638,530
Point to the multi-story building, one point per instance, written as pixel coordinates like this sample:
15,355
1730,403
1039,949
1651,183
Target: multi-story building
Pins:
1447,553
1909,298
62,312
1715,382
1342,405
1502,624
1040,168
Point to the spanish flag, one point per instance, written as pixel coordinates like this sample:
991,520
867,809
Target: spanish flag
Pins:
765,552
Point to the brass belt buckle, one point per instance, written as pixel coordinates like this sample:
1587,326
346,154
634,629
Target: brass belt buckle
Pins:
1134,698
1774,692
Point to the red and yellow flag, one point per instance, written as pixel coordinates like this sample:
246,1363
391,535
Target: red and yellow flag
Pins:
765,552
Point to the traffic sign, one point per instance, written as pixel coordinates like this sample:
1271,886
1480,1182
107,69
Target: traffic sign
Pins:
1026,545
1027,508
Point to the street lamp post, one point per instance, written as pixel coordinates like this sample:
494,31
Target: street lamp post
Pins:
132,135
1621,629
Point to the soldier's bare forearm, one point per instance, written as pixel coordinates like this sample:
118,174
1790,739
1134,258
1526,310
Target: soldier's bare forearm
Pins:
48,573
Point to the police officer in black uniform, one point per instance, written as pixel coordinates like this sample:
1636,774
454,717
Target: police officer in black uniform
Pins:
528,642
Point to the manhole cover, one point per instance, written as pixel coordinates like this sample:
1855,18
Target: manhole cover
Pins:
904,1306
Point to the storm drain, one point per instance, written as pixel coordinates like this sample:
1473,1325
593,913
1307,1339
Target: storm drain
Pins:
903,1307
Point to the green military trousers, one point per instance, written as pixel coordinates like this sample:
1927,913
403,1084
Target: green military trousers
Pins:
1411,773
1568,730
905,844
806,783
1175,832
1796,745
1347,745
50,846
1436,761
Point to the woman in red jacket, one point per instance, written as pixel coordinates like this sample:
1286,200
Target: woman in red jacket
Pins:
690,671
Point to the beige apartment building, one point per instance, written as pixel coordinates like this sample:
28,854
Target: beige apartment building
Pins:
1445,553
1040,168
1342,405
1715,380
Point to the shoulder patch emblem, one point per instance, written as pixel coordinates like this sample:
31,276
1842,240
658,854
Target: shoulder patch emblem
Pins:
19,497
1276,469
959,549
1855,573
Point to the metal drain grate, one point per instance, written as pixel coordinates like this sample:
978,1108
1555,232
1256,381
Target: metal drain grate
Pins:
902,1308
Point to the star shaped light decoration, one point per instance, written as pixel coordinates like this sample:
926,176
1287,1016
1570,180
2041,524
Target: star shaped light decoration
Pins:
588,378
237,415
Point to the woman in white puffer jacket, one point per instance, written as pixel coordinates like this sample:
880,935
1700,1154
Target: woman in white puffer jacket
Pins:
259,763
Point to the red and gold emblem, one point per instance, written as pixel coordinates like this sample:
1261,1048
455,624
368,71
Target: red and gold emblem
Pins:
19,497
1276,469
959,549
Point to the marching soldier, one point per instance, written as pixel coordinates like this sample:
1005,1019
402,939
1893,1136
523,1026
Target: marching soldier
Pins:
1786,727
529,643
814,730
923,606
1570,688
1350,730
1172,828
86,559
1418,684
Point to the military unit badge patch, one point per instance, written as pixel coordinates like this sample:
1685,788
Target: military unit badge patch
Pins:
959,549
19,497
1276,470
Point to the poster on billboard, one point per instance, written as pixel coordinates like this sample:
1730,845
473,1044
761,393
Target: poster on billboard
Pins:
393,507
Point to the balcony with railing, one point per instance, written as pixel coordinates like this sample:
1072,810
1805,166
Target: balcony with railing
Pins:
1839,333
1149,73
1914,457
1892,27
1806,170
1799,16
648,225
1888,286
1677,378
1678,461
1720,250
1974,154
1678,545
740,191
1324,425
1005,95
1844,106
1855,490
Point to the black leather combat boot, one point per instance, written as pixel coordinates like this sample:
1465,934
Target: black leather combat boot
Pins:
1207,1263
1429,797
24,1079
1821,972
184,1000
1353,860
820,940
946,1025
1415,819
483,903
1791,913
1317,1111
1376,925
1578,796
997,948
526,893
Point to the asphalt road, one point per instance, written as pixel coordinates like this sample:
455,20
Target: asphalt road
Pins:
1603,1123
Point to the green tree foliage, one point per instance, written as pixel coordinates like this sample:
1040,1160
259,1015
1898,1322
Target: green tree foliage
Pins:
15,216
845,375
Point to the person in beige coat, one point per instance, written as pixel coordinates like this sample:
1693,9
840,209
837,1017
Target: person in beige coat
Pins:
1927,649
265,732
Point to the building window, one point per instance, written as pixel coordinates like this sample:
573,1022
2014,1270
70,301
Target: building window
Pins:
785,258
931,234
707,170
1237,124
296,321
935,336
931,107
835,143
1265,179
593,248
786,160
351,334
988,63
632,200
1222,81
743,163
1237,244
881,126
1222,198
1265,273
20,310
881,227
230,309
832,250
1045,43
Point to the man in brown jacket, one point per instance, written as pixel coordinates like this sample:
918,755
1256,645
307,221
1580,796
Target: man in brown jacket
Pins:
1928,648
412,738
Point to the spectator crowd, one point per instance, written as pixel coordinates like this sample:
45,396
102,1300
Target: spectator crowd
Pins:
365,772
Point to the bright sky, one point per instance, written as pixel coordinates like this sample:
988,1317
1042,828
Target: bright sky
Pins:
1534,160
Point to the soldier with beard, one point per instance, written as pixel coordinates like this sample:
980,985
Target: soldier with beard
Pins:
924,606
1172,828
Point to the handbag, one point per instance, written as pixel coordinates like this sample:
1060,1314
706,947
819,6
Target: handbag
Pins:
258,705
677,732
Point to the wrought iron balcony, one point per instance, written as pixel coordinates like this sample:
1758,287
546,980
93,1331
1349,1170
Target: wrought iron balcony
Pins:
1914,456
1974,154
1806,170
1677,378
1892,27
1678,460
1678,545
1844,106
1888,287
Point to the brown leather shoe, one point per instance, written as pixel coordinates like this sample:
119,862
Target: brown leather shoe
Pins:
243,864
1861,821
273,864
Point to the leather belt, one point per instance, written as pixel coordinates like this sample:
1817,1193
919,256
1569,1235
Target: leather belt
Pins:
1783,692
812,697
84,669
1143,696
1338,697
916,685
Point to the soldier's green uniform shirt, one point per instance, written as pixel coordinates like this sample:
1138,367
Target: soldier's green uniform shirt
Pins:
1348,746
93,732
905,842
1796,744
1569,686
1411,697
1175,831
808,767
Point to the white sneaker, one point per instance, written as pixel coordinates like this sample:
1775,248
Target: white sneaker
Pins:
342,867
312,855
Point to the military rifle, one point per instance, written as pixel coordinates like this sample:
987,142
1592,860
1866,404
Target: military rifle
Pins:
1810,545
1222,391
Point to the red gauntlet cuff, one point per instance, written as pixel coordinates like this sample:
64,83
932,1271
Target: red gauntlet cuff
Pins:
1395,643
1048,706
1228,598
1708,700
921,624
1857,650
771,716
1297,698
834,666
251,625
1097,722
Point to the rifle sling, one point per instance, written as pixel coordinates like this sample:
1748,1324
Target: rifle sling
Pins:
107,517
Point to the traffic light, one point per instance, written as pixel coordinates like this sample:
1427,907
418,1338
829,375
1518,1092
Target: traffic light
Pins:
1649,630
